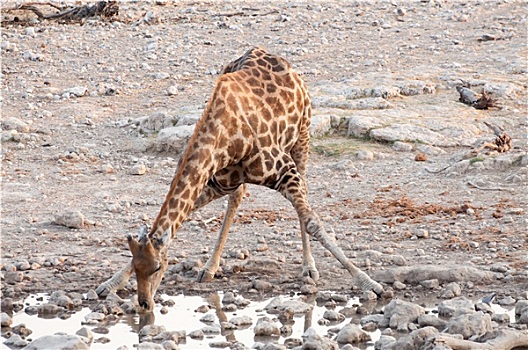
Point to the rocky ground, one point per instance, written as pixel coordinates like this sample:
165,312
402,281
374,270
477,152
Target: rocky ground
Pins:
94,116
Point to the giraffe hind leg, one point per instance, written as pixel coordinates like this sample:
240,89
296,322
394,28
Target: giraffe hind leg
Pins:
294,190
211,266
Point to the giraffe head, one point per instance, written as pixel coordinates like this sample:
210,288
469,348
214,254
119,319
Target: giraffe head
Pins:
149,260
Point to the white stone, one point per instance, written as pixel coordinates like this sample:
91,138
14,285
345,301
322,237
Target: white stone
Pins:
266,327
58,342
411,132
78,91
72,219
360,126
5,320
138,169
351,334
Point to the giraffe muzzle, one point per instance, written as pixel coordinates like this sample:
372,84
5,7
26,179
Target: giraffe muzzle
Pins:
145,306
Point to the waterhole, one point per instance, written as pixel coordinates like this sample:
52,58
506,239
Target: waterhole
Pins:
182,316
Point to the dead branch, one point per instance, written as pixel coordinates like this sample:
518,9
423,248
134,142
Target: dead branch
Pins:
471,98
496,129
245,14
472,184
504,339
103,9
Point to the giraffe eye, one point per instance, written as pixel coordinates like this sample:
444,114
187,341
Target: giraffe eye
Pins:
158,268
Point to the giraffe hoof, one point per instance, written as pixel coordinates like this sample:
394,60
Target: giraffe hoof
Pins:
311,272
368,284
103,290
204,276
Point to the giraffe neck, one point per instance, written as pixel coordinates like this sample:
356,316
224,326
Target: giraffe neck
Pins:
189,181
194,170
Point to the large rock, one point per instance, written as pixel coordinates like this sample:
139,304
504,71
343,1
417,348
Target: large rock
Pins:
414,340
400,313
455,307
360,126
174,139
468,325
444,274
58,342
351,334
294,307
410,132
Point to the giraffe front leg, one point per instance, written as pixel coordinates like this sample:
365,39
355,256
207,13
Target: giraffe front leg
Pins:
116,282
211,266
309,268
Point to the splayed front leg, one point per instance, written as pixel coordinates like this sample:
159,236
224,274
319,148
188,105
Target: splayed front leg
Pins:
208,271
309,268
116,282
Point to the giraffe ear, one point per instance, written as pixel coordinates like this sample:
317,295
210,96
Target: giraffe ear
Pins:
132,244
165,239
142,234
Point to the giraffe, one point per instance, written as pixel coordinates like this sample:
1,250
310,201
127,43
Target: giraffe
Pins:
254,129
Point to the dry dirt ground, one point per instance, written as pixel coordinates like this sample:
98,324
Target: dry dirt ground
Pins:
77,153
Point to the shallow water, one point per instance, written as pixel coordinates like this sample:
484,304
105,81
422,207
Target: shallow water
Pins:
182,316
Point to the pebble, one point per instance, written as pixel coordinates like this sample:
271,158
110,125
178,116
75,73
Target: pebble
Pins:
365,155
197,334
172,90
13,277
430,284
402,146
399,286
16,341
352,334
208,318
93,318
263,286
92,295
266,327
241,321
138,169
5,320
451,290
332,315
506,301
71,219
